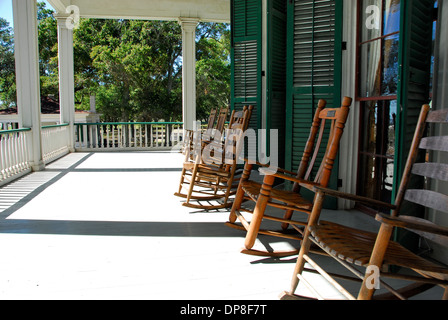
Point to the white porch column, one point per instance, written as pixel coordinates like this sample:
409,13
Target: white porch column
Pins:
66,76
27,75
188,71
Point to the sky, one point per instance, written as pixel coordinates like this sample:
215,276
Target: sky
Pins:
6,10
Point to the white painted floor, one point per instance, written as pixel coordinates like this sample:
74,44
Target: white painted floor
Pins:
107,226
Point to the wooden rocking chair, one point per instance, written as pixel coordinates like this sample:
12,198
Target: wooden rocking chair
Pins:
189,138
212,177
352,247
265,195
198,140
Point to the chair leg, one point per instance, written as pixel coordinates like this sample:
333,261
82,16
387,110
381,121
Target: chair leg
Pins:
306,243
181,180
378,253
287,216
240,193
260,207
193,179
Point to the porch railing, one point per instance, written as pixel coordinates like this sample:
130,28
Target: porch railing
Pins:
14,154
115,136
55,142
16,145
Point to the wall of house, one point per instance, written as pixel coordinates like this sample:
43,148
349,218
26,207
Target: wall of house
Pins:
440,101
349,145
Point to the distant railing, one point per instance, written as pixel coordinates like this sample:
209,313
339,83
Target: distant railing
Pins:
115,136
16,145
14,154
55,142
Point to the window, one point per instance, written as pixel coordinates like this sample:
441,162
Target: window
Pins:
377,79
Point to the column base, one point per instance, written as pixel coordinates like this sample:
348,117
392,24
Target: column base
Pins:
40,166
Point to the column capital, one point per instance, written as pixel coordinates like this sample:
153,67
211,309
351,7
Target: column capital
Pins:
66,21
188,24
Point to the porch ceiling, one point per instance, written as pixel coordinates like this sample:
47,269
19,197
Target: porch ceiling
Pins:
204,10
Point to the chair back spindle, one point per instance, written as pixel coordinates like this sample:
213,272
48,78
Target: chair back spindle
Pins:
336,117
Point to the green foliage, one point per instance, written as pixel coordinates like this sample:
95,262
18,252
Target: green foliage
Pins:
48,63
134,67
7,66
135,63
48,51
213,71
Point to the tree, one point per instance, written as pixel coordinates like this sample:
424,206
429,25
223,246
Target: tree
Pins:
7,66
48,51
212,68
134,67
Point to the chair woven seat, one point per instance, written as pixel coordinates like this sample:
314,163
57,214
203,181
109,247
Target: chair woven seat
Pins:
356,246
292,198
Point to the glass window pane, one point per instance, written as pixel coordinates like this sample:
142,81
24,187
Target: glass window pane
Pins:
376,178
392,110
391,17
369,125
370,19
378,123
388,179
389,83
378,79
368,177
370,75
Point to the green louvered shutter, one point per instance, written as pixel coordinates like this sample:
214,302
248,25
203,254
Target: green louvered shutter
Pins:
314,70
413,91
276,74
246,57
413,88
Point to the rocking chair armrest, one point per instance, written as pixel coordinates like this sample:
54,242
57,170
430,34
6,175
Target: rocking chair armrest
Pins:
265,165
250,161
412,223
353,197
267,171
287,172
253,162
304,183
